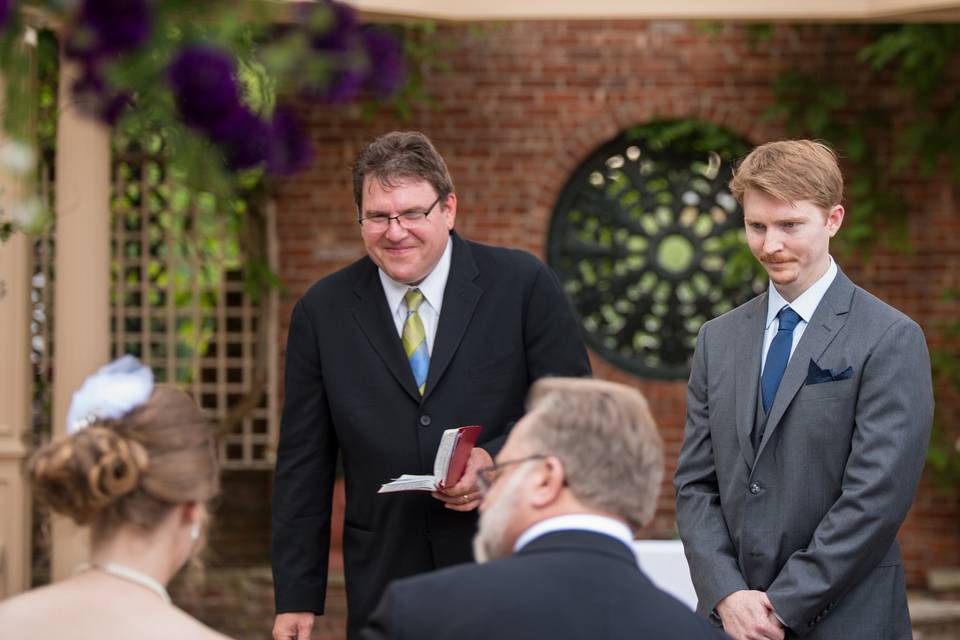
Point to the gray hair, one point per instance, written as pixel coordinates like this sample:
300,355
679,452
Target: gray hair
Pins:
607,440
398,155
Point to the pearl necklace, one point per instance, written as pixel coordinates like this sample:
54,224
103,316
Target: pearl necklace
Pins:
128,574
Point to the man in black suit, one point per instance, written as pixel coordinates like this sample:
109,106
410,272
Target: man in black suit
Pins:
425,333
578,475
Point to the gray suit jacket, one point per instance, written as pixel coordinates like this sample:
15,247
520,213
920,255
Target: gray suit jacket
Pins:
810,516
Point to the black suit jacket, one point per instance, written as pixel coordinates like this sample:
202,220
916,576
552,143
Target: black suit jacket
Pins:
566,584
349,389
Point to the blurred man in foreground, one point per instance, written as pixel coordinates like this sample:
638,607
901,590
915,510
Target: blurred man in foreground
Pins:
577,476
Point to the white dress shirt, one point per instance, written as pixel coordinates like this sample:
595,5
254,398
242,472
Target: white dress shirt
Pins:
432,289
805,304
580,522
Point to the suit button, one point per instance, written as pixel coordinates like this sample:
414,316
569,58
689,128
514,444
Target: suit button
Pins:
425,421
755,488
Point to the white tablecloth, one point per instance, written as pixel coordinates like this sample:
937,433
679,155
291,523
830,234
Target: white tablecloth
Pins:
664,563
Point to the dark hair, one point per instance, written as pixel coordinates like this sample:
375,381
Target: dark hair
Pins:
397,155
132,470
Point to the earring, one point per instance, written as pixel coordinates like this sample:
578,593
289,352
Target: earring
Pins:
195,531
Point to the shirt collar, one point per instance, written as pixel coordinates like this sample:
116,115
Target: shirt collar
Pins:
432,286
806,303
580,522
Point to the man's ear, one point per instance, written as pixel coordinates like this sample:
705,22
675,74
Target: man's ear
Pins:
549,482
834,219
449,208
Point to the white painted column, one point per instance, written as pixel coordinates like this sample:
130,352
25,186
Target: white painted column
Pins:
15,391
16,380
82,277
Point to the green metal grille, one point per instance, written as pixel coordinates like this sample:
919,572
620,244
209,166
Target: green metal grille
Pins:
642,238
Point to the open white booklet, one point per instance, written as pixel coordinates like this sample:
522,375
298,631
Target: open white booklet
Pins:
448,465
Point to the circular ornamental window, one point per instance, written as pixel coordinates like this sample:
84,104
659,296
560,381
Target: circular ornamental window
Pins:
649,244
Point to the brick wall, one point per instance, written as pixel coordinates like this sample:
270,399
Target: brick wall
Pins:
525,103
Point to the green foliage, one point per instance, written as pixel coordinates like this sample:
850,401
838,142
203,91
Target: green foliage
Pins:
425,53
944,452
816,108
689,137
919,53
920,56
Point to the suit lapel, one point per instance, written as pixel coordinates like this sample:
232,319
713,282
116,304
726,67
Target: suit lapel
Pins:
747,358
827,320
376,322
460,298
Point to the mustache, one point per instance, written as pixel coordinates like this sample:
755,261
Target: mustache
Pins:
763,257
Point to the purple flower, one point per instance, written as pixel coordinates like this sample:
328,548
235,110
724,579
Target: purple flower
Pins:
290,149
249,142
95,97
341,28
344,86
387,70
107,27
6,7
114,107
358,59
206,92
375,63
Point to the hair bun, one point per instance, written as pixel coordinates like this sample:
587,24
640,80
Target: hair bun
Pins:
80,475
117,469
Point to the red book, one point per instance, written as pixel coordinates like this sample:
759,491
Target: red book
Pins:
448,465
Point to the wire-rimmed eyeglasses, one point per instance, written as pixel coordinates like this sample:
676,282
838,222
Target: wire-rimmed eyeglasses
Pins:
407,219
488,475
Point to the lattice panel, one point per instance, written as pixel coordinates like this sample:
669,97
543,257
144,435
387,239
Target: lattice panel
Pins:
191,321
41,322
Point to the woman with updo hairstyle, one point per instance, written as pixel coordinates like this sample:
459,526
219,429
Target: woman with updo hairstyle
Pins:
138,466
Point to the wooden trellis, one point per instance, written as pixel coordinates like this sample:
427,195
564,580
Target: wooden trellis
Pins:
190,318
192,321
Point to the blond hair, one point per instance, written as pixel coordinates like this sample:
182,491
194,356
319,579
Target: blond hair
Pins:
607,440
791,171
132,470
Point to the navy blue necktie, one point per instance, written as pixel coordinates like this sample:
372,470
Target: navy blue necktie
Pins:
777,356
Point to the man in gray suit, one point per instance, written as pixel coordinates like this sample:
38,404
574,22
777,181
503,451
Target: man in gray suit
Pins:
808,415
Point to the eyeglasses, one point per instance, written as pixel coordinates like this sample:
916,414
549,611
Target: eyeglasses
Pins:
488,475
406,220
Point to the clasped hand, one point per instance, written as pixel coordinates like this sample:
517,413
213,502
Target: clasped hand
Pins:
748,615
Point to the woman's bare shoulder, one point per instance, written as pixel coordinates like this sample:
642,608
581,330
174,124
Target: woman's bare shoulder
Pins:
190,627
52,610
26,607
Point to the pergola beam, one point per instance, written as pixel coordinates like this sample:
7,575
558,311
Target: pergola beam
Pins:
734,10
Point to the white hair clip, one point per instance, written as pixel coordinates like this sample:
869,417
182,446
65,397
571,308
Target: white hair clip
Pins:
110,393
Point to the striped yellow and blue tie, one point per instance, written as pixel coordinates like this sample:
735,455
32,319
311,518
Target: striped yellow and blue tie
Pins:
415,339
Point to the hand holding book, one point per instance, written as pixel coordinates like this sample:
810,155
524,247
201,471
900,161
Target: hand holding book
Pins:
465,495
448,465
